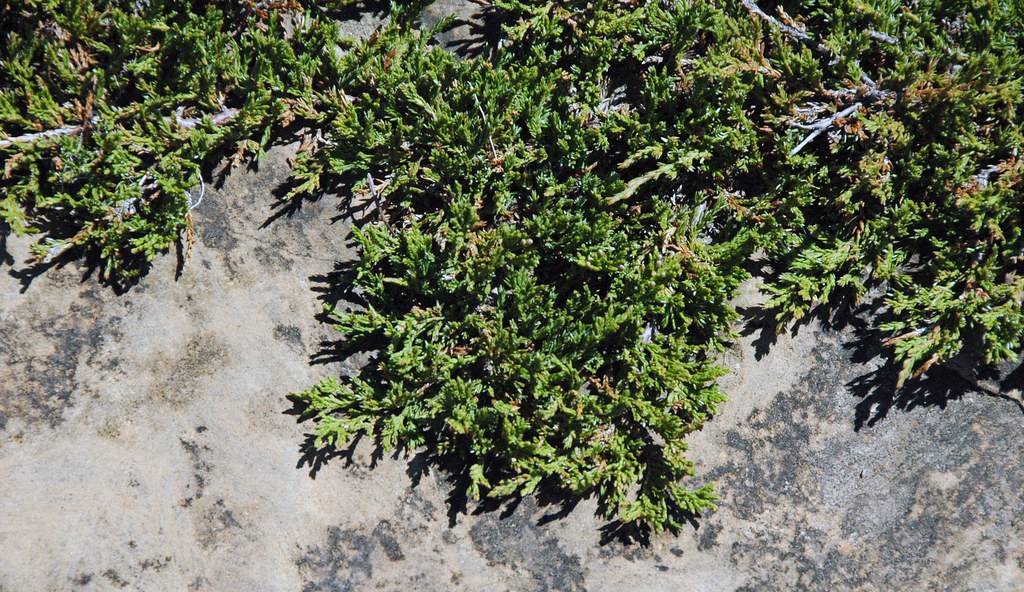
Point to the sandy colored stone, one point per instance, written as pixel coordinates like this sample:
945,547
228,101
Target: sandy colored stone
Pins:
146,444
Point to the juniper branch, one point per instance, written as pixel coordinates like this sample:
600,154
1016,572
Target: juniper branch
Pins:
821,125
984,174
884,38
54,133
790,31
226,115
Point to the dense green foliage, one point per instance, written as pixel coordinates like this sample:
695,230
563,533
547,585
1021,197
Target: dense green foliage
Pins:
146,94
562,217
918,195
522,320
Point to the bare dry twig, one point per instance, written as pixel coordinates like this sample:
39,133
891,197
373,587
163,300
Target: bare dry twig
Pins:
821,125
884,38
789,30
867,92
984,174
54,133
226,115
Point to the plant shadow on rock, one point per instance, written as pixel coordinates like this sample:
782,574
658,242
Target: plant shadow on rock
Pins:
5,254
876,388
90,260
216,167
474,36
213,166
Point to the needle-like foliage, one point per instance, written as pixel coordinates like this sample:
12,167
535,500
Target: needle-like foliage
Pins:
111,110
918,192
562,214
530,316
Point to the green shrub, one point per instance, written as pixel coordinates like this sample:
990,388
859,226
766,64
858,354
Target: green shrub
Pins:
114,108
918,194
530,200
524,321
560,219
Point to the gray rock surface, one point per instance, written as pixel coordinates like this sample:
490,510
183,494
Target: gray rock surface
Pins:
146,444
